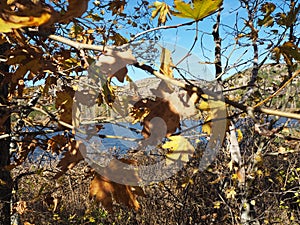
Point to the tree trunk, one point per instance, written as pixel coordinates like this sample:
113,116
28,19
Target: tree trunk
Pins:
5,176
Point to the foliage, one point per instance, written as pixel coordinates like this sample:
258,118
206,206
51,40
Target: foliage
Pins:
75,51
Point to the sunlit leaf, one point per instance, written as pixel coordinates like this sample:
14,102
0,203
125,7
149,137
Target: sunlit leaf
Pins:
179,149
117,6
105,191
166,63
108,91
64,102
206,127
139,114
289,51
239,135
267,8
203,106
160,108
197,10
163,9
289,18
71,158
15,22
230,193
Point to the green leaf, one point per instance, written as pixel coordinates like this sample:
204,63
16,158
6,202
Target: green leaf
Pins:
200,9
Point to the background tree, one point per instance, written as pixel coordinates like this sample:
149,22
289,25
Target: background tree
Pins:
53,44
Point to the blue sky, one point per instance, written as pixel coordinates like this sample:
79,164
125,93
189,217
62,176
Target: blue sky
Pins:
181,40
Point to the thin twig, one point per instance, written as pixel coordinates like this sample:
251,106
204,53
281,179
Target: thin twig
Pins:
296,73
189,87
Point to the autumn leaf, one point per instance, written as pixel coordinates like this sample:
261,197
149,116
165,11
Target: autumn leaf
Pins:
214,110
289,51
162,109
179,149
75,9
57,143
139,114
71,158
230,193
289,18
119,39
105,191
267,8
16,22
207,127
163,9
117,6
203,105
239,135
235,153
121,74
20,207
108,91
64,102
200,9
112,64
166,63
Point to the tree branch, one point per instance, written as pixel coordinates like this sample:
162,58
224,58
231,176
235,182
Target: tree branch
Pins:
188,87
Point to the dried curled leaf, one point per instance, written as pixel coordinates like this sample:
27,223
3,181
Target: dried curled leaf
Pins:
105,191
71,158
64,102
289,51
110,63
267,8
57,143
117,6
75,9
163,9
162,109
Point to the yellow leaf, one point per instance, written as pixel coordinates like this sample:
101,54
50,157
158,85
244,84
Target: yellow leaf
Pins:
109,93
139,114
179,149
230,193
203,106
206,127
166,63
164,12
15,22
200,9
239,135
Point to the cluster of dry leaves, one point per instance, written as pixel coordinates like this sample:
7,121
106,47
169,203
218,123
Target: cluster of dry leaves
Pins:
30,60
